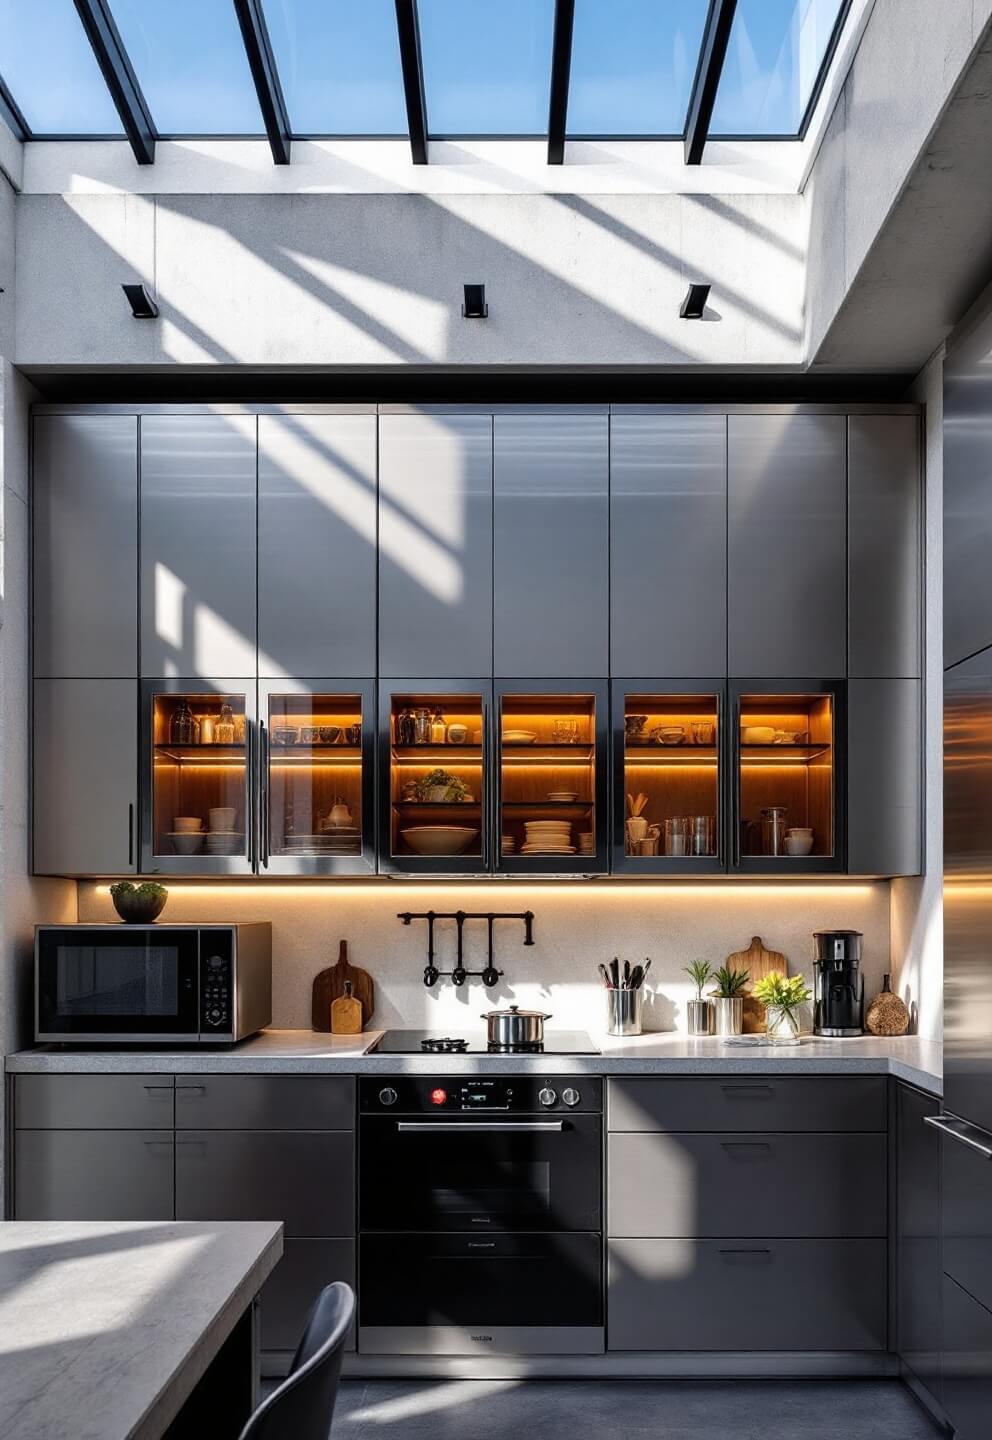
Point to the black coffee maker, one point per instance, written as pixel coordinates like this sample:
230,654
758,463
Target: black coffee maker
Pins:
838,986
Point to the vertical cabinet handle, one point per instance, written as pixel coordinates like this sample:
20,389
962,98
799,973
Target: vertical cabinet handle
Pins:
263,781
489,833
130,834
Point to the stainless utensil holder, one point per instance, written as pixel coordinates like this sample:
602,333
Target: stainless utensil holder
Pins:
624,1011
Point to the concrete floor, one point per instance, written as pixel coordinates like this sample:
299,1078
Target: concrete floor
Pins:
625,1410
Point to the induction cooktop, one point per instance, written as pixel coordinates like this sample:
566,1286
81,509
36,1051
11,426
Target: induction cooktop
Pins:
442,1042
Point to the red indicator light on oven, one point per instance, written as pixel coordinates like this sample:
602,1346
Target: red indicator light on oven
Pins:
438,1097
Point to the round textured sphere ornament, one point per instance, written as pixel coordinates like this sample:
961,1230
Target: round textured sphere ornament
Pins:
887,1015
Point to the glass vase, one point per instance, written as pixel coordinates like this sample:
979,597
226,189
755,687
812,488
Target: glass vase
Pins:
782,1025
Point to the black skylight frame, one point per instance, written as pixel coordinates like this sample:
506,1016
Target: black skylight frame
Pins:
140,130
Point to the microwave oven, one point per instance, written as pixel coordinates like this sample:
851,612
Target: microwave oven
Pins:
152,984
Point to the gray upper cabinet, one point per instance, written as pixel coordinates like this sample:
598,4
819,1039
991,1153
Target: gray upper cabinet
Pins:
668,544
316,545
85,776
85,502
435,544
885,777
198,550
551,516
884,560
787,550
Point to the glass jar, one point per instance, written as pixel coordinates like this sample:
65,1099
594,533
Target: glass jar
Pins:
773,826
677,835
404,728
181,726
422,726
439,730
207,730
224,728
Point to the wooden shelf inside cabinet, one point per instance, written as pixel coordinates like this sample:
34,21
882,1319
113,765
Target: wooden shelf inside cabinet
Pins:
575,807
782,754
205,754
427,754
449,807
547,754
315,754
671,755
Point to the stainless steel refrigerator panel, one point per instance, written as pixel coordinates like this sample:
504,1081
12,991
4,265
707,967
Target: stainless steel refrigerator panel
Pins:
884,560
967,538
85,525
551,515
787,544
316,545
885,777
435,544
198,545
668,545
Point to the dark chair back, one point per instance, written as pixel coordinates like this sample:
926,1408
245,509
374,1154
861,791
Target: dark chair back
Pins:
303,1405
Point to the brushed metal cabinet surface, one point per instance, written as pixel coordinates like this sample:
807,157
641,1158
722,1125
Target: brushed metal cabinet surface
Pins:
761,1294
85,525
885,777
668,545
305,1178
744,1102
198,545
93,1175
551,516
967,529
966,1195
884,539
703,1186
305,1268
435,544
316,545
265,1102
967,1363
84,777
918,1267
787,545
91,1102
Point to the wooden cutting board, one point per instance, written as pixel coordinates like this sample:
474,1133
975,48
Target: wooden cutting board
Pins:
758,962
329,985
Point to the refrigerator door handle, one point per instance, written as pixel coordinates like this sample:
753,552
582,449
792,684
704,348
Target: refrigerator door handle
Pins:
959,1129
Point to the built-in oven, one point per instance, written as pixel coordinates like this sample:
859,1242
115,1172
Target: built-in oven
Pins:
152,984
480,1215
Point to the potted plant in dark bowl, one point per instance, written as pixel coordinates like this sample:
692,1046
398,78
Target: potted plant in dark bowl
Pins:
138,904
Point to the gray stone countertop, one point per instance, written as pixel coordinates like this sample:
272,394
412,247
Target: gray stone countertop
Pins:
302,1052
108,1325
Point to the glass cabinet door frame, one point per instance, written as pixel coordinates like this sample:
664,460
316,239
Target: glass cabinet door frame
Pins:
361,864
197,865
390,864
599,862
686,866
783,865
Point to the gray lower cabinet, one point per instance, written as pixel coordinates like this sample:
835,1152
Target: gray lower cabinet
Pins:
305,1178
787,544
762,1294
93,1174
85,777
967,1364
745,1102
917,1221
90,1102
966,1217
85,545
885,777
265,1102
305,1268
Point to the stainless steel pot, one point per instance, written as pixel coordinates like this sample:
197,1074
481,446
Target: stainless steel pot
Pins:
515,1026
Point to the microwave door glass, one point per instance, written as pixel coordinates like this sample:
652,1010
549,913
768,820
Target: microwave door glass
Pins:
118,982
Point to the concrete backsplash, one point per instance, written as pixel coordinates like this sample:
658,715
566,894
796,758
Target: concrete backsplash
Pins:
576,925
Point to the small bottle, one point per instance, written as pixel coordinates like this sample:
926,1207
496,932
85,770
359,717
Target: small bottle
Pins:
224,729
181,725
207,730
439,730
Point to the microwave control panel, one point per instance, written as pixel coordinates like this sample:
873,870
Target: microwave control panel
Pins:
215,984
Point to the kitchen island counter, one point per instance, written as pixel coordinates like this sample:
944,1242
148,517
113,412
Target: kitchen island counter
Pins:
301,1052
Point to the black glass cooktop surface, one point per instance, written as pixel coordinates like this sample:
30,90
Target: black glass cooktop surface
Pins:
453,1042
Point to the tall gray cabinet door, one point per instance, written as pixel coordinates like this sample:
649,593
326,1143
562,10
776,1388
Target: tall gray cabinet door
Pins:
668,544
435,544
884,562
787,545
85,501
316,545
85,776
551,515
198,523
885,777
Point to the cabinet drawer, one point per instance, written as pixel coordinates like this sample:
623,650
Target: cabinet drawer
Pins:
265,1102
966,1190
750,1103
93,1102
967,1363
93,1175
305,1268
758,1294
713,1185
305,1179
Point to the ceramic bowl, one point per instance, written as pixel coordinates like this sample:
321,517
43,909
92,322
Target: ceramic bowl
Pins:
798,844
225,842
187,842
187,824
284,734
330,734
438,839
669,734
221,818
759,735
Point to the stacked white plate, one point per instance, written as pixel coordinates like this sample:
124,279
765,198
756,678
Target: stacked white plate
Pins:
508,844
548,837
225,842
344,840
587,842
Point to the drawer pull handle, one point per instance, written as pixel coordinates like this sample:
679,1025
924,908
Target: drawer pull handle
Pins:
746,1089
190,1142
190,1087
170,1142
156,1087
744,1250
947,1124
745,1145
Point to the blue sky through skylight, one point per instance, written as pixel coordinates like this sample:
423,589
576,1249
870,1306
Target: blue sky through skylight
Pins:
48,65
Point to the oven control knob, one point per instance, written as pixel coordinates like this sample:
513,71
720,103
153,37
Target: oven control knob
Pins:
388,1095
570,1097
547,1097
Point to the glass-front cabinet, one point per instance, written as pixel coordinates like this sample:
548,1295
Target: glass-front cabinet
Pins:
434,776
552,784
316,765
197,750
668,803
789,768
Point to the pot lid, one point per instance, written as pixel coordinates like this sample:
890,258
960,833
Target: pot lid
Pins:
515,1011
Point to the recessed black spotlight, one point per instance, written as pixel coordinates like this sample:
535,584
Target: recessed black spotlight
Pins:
695,302
143,307
475,307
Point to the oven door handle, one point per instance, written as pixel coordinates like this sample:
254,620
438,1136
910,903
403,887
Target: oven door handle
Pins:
513,1127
